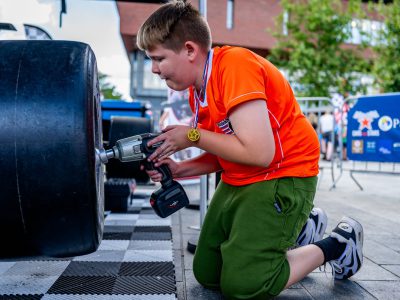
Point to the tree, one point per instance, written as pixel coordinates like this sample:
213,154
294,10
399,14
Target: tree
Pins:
386,67
107,89
312,51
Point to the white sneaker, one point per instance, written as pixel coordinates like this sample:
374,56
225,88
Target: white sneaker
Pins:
314,229
348,231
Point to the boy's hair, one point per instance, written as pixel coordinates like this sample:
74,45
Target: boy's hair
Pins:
172,25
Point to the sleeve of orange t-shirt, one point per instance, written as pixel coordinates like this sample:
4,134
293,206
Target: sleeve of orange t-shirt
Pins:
242,78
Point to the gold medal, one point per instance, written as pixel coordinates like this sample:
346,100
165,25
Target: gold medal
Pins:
193,134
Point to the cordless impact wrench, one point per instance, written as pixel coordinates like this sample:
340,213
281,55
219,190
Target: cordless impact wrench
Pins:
171,196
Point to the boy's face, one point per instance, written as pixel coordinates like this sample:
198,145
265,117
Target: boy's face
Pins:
175,68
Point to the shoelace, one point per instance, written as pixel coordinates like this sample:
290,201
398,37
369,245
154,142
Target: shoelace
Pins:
322,268
349,251
332,264
335,268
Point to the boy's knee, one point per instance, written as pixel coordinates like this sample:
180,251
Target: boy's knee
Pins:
237,286
205,279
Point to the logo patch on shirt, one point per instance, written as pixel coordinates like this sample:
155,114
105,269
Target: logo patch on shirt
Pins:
226,126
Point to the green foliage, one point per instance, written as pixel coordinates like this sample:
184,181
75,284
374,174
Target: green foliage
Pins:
107,89
312,51
386,66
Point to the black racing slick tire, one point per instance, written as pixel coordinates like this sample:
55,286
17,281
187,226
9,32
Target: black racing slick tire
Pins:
51,181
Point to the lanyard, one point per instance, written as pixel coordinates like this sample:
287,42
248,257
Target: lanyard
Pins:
200,97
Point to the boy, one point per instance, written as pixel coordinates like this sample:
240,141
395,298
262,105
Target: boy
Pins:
250,126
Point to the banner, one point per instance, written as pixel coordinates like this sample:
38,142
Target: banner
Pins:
373,132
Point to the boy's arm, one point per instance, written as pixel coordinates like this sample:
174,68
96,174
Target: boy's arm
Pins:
252,144
253,141
205,163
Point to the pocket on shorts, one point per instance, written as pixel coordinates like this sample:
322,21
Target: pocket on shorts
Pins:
295,197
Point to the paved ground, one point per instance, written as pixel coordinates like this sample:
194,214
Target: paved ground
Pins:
377,207
137,259
133,262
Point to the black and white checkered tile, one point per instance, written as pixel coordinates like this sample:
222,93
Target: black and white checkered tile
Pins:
134,261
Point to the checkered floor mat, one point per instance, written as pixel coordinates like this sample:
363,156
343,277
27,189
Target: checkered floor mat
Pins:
134,261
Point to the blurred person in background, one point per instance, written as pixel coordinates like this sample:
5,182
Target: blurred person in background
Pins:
326,127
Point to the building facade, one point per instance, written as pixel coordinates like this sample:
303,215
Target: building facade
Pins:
240,23
233,22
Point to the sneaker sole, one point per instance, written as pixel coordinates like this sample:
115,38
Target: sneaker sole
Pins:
357,228
323,218
359,242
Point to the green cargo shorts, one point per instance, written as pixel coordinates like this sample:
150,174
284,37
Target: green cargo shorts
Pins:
246,233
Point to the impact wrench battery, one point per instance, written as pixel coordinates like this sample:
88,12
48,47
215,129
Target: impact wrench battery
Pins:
171,196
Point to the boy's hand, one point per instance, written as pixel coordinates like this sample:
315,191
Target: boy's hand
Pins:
174,139
155,175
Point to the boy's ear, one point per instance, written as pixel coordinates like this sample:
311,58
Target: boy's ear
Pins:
192,50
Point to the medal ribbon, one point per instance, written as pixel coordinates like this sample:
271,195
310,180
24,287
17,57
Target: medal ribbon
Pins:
200,97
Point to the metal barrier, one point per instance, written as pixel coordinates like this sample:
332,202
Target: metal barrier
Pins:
355,166
319,105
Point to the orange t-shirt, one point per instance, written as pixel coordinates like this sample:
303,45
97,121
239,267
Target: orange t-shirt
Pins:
236,75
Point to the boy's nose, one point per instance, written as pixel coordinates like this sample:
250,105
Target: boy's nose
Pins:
154,68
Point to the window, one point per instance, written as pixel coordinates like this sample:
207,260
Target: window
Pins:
285,21
143,82
364,31
150,80
229,14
